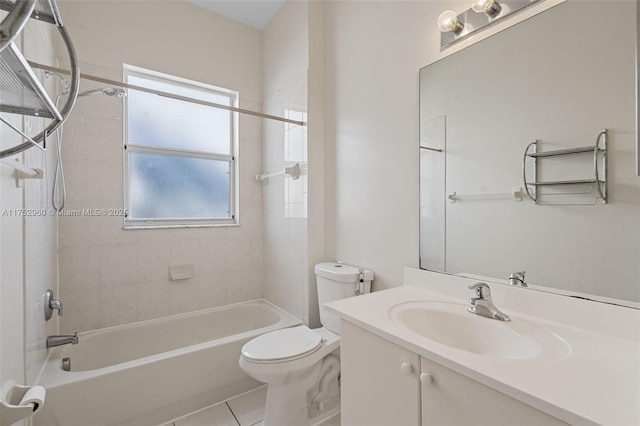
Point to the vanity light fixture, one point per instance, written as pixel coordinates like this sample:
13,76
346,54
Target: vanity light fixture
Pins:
482,13
491,8
448,22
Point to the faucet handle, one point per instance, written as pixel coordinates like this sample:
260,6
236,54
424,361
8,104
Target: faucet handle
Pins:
482,290
517,278
51,304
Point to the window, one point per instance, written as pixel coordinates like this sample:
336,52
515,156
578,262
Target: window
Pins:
180,155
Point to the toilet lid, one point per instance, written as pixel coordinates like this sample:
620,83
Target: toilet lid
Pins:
282,344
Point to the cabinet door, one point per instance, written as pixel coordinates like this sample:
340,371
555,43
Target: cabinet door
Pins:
449,398
380,385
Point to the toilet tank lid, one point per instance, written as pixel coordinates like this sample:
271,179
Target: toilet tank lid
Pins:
340,272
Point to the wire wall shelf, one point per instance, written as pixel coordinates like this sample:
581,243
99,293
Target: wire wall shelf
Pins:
44,10
20,90
595,184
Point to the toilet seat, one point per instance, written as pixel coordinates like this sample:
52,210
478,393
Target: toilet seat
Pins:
282,345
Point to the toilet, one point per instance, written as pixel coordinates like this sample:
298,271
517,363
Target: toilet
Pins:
300,365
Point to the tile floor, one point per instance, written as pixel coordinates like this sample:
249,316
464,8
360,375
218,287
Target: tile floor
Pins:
244,410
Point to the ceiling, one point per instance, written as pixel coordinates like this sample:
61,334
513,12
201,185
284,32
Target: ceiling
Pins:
255,13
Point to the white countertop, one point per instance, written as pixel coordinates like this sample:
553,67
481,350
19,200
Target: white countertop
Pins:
596,382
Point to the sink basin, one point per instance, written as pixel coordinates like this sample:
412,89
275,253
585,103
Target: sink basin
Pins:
450,324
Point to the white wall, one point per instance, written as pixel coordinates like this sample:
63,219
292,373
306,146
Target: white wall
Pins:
110,276
373,51
285,63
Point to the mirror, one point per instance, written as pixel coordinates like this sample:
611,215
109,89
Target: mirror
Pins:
559,77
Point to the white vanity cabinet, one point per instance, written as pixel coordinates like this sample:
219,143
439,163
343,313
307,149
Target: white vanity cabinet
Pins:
379,385
385,384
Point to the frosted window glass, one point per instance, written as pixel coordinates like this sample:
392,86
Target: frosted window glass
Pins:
171,187
162,122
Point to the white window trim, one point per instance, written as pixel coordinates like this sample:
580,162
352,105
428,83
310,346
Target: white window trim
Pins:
232,158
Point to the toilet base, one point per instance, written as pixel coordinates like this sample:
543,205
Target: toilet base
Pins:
290,406
305,402
331,408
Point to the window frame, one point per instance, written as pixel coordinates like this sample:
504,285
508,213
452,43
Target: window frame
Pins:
131,148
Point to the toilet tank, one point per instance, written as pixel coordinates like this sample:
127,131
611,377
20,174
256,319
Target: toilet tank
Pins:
338,281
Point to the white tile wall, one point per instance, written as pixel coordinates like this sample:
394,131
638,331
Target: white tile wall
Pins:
110,276
40,232
285,200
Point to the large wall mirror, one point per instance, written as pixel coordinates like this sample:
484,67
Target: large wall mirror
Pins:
560,78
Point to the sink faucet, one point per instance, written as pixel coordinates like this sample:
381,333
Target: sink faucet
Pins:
483,305
63,339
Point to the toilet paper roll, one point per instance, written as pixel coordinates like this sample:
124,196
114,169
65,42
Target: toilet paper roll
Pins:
34,397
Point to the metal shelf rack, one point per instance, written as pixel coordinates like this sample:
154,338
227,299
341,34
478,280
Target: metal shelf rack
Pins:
599,180
20,90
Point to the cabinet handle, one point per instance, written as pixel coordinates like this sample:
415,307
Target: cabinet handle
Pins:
406,368
426,378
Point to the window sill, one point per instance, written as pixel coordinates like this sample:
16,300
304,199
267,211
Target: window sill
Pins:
160,226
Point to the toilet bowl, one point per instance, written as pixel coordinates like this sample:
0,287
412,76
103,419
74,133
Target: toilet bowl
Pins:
301,366
293,372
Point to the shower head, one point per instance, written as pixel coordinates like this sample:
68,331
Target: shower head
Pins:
109,91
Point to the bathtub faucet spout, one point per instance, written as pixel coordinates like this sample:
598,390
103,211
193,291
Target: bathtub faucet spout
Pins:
64,339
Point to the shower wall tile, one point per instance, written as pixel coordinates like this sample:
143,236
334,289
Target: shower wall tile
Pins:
110,231
153,261
112,276
213,289
84,303
284,221
40,233
118,305
185,295
153,300
186,252
243,285
239,254
118,264
213,255
79,267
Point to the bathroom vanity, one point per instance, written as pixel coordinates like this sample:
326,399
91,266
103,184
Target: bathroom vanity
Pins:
414,355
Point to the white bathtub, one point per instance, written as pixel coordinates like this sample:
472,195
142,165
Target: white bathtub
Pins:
150,372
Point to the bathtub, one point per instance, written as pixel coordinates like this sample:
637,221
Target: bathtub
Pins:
151,372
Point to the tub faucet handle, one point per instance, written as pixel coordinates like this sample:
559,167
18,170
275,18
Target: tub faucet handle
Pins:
51,304
56,304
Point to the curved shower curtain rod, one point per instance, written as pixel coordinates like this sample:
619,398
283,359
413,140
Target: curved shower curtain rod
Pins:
166,94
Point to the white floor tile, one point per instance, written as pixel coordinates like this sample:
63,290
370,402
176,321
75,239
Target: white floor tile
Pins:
218,415
249,408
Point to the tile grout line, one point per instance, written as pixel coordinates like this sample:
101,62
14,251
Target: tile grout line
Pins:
232,413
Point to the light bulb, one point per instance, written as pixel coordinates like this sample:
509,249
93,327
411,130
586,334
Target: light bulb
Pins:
488,7
448,22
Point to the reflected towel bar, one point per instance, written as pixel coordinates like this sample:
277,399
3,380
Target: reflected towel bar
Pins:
515,195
